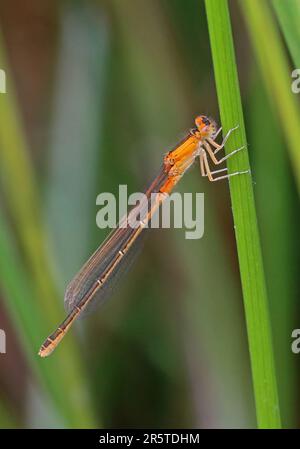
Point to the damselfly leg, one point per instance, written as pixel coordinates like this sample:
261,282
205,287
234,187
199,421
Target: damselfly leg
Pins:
206,149
219,146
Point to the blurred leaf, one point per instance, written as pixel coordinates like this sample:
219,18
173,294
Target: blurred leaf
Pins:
276,73
35,316
278,225
288,15
63,385
7,420
75,134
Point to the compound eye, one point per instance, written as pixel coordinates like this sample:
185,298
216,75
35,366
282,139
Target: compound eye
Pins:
205,120
202,121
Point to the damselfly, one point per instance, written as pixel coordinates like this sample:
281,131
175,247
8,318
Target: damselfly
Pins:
92,285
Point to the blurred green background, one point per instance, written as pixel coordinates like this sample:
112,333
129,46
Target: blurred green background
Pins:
97,92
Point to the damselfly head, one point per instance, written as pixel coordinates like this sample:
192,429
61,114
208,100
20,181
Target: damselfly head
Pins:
207,127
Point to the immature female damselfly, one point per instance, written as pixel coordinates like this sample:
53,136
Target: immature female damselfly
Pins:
92,285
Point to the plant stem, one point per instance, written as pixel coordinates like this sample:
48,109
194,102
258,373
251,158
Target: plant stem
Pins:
245,221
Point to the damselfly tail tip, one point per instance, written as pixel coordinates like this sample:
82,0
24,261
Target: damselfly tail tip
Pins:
45,349
52,341
41,352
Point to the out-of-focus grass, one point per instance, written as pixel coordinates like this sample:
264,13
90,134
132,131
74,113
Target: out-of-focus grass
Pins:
288,15
7,419
75,133
63,373
21,193
30,321
274,182
276,73
244,214
278,225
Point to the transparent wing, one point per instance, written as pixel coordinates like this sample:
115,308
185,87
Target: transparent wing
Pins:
109,252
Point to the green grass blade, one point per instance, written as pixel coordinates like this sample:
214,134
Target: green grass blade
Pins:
245,221
288,15
276,73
